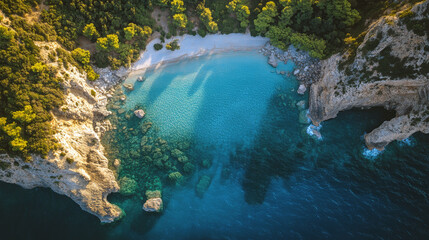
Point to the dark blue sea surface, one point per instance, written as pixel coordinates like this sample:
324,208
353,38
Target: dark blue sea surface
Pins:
268,178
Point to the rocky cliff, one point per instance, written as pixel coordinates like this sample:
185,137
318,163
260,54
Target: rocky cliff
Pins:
390,68
79,169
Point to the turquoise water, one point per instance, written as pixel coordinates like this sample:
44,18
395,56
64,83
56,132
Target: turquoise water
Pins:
269,178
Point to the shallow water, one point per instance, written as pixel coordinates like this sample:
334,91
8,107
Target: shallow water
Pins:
269,178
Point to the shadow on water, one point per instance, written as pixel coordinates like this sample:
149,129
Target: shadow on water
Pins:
42,214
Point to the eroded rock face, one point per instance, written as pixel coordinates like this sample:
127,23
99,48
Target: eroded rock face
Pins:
372,79
79,170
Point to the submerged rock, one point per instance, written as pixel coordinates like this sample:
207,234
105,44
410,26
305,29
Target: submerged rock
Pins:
175,177
153,205
139,113
203,185
272,60
128,86
301,105
303,118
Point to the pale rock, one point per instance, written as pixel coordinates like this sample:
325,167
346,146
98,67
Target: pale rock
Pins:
128,86
139,113
153,205
301,89
272,60
296,72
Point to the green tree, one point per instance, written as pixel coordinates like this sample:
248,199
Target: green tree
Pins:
266,17
180,20
109,43
207,18
340,11
177,6
81,56
280,36
310,43
173,45
102,44
90,31
25,116
6,36
241,10
112,41
130,31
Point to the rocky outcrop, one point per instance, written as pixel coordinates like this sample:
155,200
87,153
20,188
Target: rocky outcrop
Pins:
79,168
389,70
400,127
153,205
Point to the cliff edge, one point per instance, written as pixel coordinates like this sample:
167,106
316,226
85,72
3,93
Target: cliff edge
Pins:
390,68
79,168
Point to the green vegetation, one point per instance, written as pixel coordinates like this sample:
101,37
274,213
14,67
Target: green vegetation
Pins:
207,18
173,45
29,90
112,33
157,46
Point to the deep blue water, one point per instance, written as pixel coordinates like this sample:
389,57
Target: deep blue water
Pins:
269,179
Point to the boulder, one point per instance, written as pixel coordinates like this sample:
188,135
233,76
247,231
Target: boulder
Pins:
301,89
141,79
296,72
153,205
128,86
139,113
116,163
272,60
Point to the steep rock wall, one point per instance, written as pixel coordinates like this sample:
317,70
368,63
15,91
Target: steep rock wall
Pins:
390,69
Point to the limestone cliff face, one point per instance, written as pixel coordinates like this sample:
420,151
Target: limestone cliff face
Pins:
79,170
390,69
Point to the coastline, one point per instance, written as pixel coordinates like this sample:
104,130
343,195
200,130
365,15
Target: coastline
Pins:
195,46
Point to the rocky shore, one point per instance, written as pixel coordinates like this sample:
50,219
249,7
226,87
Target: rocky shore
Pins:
307,69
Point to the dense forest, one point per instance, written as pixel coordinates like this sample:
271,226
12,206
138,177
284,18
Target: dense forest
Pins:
120,29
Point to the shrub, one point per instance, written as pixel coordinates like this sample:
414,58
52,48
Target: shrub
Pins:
202,32
173,45
157,46
69,160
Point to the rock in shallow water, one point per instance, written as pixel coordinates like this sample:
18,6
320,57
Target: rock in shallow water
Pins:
128,86
139,113
301,89
272,60
153,205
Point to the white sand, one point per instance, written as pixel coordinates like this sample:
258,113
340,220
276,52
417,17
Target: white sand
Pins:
193,46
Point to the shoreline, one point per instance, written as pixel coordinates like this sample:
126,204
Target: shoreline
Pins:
193,47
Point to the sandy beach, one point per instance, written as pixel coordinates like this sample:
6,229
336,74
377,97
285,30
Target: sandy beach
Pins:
194,46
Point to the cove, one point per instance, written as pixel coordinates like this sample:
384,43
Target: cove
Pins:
269,179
